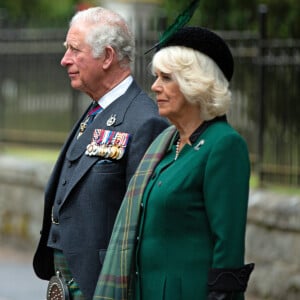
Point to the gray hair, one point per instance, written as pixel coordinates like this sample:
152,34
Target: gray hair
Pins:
199,78
107,28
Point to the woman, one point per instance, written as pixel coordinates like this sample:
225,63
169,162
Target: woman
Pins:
186,207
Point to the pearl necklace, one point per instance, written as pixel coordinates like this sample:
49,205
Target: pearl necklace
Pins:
177,149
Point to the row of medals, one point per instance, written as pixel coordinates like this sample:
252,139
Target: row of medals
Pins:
106,151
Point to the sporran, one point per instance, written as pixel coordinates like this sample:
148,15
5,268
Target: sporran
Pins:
57,288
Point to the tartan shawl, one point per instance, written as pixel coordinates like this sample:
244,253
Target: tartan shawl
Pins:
114,280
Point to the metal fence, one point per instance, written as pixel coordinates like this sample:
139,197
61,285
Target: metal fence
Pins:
38,106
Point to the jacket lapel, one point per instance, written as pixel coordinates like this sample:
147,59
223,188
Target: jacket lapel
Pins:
116,111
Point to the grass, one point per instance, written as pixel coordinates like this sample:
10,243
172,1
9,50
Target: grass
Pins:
277,188
51,154
40,154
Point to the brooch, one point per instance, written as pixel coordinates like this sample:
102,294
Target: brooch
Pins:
197,147
111,120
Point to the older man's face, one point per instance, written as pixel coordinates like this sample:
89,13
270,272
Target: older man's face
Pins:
84,70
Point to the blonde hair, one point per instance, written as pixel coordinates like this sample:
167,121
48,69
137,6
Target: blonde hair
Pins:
199,78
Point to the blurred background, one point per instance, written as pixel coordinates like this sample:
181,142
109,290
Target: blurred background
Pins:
38,108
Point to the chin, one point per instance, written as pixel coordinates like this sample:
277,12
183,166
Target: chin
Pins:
75,85
163,113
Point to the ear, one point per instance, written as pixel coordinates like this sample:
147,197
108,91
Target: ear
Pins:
109,55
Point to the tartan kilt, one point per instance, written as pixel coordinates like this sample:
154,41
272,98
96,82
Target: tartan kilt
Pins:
60,263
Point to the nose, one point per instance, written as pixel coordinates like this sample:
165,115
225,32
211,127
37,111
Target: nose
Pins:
66,60
156,87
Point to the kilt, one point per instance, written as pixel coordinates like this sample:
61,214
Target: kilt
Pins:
60,264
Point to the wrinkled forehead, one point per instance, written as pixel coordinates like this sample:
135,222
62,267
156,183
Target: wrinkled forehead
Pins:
76,35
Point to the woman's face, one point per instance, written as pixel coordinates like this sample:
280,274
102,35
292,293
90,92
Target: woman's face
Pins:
171,102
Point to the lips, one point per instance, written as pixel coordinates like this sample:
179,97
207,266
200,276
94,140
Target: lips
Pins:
73,74
161,100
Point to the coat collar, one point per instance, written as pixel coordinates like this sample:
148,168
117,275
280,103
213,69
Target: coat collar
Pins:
198,132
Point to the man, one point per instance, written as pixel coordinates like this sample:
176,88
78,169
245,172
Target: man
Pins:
103,150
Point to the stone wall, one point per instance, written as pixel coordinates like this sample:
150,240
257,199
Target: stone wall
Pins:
273,243
22,185
273,231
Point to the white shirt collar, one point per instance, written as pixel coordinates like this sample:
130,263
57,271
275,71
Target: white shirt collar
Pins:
116,92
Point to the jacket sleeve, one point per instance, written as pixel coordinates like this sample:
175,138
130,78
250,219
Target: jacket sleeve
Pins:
225,283
226,188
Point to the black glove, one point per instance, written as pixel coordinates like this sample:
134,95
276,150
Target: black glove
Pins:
220,296
226,282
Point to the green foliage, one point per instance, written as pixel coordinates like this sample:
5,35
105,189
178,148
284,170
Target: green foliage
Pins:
37,13
282,20
283,16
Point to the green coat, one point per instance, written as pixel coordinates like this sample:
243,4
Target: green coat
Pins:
194,216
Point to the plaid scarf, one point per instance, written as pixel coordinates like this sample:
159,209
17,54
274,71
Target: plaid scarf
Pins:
114,280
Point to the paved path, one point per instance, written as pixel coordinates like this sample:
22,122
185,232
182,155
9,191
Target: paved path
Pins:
17,279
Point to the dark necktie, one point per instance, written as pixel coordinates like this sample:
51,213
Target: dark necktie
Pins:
95,109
